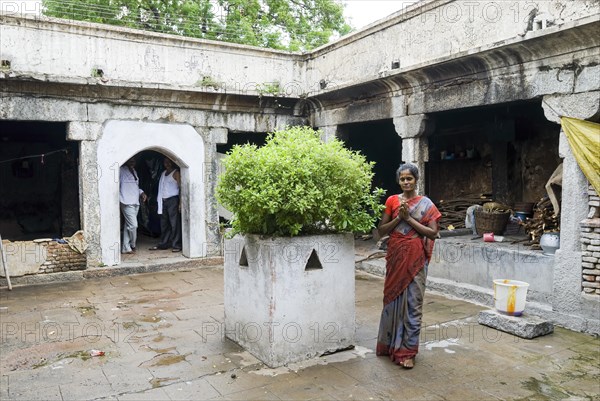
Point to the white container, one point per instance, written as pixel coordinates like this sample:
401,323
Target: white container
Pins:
550,242
509,296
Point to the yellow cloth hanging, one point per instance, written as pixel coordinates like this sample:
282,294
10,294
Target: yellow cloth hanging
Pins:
584,138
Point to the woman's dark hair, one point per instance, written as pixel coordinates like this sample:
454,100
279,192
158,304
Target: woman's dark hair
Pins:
414,170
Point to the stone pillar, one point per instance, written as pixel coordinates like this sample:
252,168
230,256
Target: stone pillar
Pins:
69,195
89,173
413,130
329,132
212,136
567,286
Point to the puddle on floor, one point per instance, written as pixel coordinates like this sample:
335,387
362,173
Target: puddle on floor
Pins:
162,350
442,344
158,381
164,360
87,311
130,325
545,388
151,319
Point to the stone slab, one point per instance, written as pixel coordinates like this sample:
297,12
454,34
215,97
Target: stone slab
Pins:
373,266
525,326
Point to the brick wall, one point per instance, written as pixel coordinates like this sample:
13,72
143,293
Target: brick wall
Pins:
61,258
40,256
590,245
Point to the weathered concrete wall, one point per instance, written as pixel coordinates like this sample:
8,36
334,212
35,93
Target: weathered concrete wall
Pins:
426,34
73,52
496,60
549,63
89,116
282,310
467,269
478,264
40,256
89,194
432,31
570,304
87,122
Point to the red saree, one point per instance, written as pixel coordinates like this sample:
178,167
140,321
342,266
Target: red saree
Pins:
407,257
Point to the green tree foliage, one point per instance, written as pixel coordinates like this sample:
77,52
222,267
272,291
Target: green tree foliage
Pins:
279,24
297,184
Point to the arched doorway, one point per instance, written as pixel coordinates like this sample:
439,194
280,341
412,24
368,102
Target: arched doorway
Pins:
121,140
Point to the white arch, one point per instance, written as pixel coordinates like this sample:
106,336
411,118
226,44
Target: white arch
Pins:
122,139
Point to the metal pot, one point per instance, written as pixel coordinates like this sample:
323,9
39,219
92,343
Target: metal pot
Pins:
522,216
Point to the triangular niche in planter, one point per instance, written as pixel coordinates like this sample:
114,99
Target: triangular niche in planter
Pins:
243,258
313,262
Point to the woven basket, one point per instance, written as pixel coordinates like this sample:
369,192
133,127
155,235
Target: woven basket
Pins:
486,222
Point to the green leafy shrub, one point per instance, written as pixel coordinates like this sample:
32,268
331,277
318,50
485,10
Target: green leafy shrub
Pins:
297,184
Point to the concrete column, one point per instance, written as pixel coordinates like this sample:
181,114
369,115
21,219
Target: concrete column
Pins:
89,203
329,132
212,136
574,207
578,105
415,147
83,131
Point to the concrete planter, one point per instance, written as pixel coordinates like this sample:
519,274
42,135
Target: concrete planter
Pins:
290,299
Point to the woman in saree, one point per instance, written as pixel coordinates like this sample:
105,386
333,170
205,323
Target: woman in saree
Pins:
412,224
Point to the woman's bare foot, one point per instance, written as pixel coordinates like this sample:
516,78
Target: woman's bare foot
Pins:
408,363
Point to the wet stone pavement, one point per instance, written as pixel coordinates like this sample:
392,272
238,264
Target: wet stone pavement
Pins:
163,339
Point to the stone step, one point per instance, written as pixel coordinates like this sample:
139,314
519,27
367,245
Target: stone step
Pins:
373,266
525,326
124,269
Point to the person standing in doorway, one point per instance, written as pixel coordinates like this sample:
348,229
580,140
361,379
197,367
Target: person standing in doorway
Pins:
169,208
130,195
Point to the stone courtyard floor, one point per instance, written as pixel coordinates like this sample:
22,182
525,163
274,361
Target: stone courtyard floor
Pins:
162,339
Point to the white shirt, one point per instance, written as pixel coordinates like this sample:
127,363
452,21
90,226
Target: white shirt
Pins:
167,187
129,188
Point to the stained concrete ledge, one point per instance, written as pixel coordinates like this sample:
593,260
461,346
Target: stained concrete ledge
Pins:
525,326
477,263
122,270
373,266
485,296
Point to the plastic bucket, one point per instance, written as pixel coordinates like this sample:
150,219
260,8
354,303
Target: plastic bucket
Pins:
509,296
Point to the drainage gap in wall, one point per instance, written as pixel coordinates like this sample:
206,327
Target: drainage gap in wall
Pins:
313,262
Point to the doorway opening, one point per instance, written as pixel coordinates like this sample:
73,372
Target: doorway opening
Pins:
505,153
379,143
181,143
149,166
235,138
39,181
